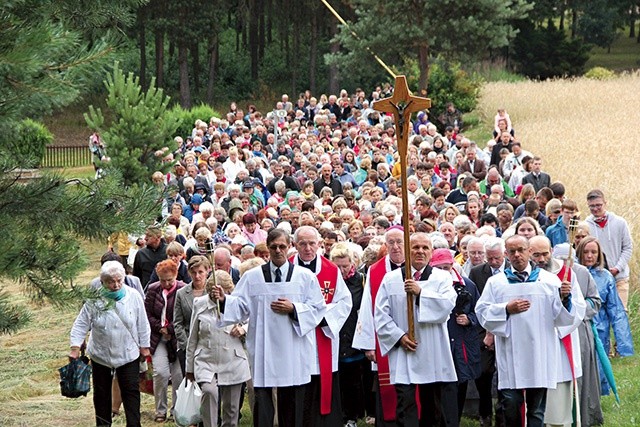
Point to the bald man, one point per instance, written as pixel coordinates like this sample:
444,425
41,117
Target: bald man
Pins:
560,400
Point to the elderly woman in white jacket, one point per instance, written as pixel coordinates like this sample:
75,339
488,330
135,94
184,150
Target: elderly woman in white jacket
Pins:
120,334
216,359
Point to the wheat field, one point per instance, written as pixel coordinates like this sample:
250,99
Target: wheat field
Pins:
584,130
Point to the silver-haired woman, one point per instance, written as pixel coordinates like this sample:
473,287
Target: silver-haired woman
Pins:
120,334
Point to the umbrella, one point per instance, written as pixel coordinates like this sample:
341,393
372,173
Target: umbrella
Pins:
605,362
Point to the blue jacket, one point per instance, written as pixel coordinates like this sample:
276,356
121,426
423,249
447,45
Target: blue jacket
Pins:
465,340
557,233
611,315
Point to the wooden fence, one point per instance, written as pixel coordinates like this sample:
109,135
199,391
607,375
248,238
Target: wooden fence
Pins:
66,156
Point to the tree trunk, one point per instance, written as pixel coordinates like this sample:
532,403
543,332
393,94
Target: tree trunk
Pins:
423,63
562,10
142,39
159,39
195,67
269,30
296,54
334,83
313,53
574,22
261,31
213,62
253,38
632,22
183,67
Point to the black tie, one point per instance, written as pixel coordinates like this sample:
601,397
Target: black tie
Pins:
278,275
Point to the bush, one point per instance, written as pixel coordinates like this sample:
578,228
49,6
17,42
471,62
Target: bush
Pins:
450,83
30,143
188,118
599,73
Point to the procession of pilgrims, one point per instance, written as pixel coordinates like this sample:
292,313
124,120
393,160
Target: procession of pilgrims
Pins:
302,270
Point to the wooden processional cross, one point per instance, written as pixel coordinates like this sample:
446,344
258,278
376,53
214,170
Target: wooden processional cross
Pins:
402,104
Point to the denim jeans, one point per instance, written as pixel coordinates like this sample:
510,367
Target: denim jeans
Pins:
513,399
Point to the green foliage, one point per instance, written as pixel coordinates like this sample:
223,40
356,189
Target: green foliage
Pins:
140,128
450,83
187,118
599,73
599,22
542,53
455,29
29,143
45,255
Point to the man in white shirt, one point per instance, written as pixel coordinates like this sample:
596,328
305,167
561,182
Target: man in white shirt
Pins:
282,303
426,361
522,307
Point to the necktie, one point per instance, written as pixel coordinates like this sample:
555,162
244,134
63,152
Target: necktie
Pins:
278,275
521,275
416,275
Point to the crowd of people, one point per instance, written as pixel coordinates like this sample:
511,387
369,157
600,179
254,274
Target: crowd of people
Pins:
277,272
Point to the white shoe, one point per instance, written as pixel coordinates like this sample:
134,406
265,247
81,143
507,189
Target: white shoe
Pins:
351,423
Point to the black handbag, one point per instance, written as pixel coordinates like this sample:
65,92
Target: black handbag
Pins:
75,378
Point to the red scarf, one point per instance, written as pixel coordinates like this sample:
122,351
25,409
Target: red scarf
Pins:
602,221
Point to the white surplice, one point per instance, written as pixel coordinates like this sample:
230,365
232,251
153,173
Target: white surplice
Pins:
559,401
335,315
527,344
364,337
432,361
280,352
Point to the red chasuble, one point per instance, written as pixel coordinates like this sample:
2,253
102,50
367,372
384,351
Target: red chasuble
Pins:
387,390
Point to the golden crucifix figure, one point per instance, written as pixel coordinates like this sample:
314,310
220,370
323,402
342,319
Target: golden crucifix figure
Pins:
402,104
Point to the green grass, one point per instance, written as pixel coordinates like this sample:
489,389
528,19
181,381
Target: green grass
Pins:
624,55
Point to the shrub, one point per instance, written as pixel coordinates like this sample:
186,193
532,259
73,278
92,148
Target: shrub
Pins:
187,118
599,73
450,83
30,143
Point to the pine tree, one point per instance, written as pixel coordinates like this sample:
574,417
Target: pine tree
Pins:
46,65
141,125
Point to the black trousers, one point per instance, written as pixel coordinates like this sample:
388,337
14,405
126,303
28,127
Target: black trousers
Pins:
290,406
438,401
312,417
128,376
484,382
352,389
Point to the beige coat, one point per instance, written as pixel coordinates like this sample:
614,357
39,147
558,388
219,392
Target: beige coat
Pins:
212,350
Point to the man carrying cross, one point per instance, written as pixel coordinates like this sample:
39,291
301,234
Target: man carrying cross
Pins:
425,362
322,397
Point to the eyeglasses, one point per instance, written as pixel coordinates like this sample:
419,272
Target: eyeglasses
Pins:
278,247
596,206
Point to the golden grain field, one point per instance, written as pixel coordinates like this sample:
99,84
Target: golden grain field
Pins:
585,131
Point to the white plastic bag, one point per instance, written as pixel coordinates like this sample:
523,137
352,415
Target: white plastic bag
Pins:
187,409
